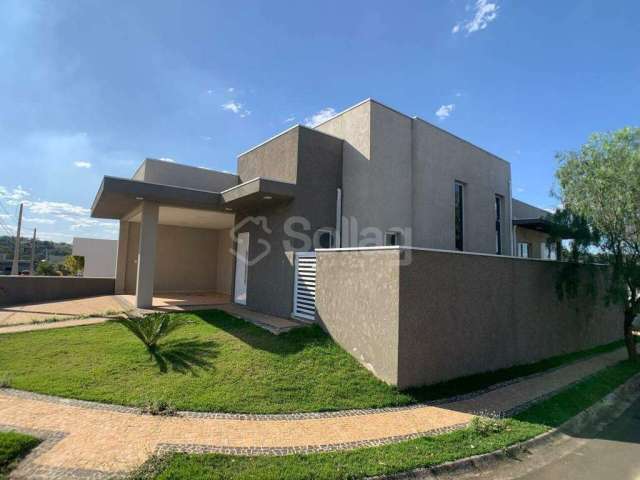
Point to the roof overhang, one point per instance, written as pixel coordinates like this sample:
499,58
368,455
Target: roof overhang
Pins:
539,224
257,193
117,197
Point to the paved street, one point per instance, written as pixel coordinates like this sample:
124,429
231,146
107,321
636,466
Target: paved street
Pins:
613,454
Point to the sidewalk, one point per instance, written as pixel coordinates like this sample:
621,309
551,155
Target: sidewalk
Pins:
98,441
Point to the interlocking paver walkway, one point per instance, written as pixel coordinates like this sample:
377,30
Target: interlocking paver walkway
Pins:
98,440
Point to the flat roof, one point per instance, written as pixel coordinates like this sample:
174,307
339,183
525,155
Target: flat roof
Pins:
117,197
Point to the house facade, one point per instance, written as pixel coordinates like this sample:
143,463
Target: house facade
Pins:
99,256
368,177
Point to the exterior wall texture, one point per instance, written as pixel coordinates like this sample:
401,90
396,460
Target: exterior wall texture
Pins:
316,160
167,173
16,290
399,173
457,314
187,260
441,160
358,305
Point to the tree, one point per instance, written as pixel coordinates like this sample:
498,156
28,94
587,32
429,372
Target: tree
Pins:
599,186
73,264
44,268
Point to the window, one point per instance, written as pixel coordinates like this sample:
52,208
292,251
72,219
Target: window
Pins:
391,238
498,207
548,251
523,249
323,239
459,215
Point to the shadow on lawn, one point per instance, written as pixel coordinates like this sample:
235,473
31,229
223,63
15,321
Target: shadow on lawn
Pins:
284,344
185,355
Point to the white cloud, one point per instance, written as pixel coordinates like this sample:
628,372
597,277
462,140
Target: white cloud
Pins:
232,106
206,138
60,209
237,108
519,190
13,196
231,89
484,12
445,111
45,221
319,117
289,119
82,164
167,159
209,92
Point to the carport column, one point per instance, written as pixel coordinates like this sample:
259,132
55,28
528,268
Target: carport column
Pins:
147,255
121,258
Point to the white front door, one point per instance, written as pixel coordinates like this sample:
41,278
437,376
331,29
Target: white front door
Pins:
242,268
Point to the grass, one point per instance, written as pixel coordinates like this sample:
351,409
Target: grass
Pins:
217,363
13,447
424,452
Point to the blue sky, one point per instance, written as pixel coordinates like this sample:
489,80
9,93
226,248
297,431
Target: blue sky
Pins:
91,88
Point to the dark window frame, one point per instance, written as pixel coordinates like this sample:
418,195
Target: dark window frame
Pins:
499,211
395,235
458,215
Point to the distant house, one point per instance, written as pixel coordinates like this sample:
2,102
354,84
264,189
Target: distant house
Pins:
99,256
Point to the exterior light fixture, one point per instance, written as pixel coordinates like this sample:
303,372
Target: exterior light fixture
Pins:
267,197
140,198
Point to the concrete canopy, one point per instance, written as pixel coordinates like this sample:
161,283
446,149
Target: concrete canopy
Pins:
118,197
257,192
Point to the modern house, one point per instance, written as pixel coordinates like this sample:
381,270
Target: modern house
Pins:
368,176
399,238
99,256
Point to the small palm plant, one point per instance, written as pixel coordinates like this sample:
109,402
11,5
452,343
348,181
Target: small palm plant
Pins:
150,329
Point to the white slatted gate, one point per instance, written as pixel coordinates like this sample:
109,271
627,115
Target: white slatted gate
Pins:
304,288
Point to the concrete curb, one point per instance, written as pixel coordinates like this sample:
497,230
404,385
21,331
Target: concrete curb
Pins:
597,416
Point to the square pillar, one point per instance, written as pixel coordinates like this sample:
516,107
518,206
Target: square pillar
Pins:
121,257
147,255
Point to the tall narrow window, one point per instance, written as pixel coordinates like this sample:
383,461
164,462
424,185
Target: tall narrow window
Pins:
459,215
498,202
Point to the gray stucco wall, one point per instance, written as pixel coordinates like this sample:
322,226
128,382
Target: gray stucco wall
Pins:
399,173
524,210
441,160
316,160
358,305
354,127
168,173
457,313
16,290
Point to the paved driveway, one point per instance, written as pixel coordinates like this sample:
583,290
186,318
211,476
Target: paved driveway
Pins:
61,310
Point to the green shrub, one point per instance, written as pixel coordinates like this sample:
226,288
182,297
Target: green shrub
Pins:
485,426
150,329
159,407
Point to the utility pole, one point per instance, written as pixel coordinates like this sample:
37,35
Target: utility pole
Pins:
15,268
33,254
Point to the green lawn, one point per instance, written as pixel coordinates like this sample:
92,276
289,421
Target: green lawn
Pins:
216,363
13,447
423,452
